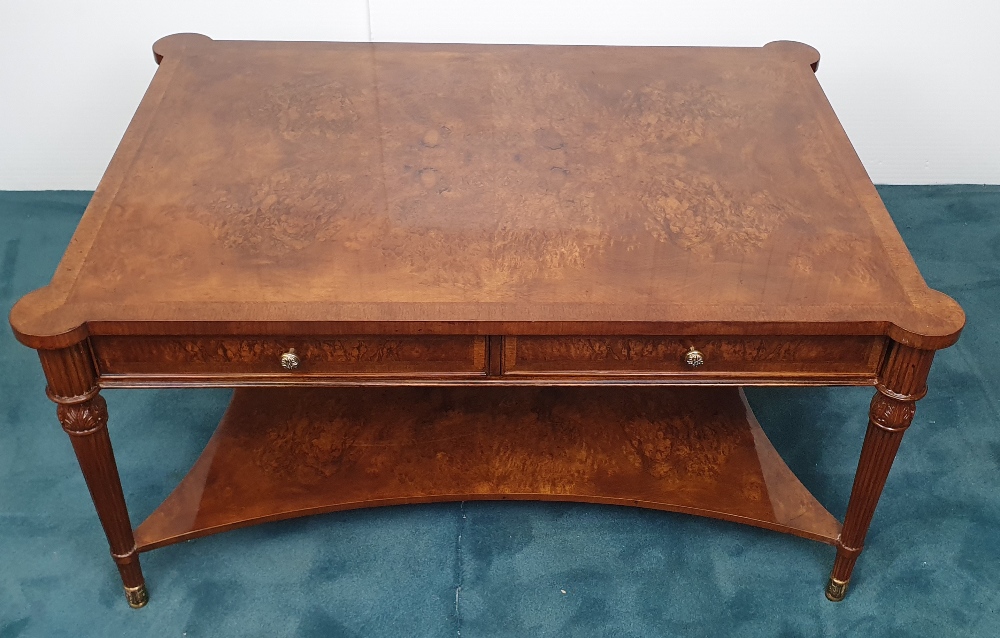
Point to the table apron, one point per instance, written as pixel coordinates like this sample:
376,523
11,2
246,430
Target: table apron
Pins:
169,361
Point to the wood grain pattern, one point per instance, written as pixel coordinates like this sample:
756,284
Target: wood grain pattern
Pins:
293,452
83,414
554,354
461,359
344,355
460,184
474,215
900,385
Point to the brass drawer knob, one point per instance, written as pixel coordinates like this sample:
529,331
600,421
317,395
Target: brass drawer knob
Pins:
694,358
290,360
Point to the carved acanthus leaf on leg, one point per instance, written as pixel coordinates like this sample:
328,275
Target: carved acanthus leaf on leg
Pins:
80,419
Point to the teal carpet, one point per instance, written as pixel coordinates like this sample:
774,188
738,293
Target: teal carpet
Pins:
931,567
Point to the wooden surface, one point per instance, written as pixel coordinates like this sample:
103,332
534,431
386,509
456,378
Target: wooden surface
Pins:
281,453
83,414
285,188
902,383
129,361
404,215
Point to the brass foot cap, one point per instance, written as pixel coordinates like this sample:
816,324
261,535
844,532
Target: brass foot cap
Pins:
136,596
836,589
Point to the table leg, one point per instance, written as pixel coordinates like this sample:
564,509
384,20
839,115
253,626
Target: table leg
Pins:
83,413
901,383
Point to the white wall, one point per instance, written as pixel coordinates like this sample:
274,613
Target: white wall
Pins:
916,83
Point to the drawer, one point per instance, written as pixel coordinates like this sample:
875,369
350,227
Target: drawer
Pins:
335,356
642,355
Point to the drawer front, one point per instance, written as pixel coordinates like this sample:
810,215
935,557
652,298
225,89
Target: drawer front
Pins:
642,355
342,355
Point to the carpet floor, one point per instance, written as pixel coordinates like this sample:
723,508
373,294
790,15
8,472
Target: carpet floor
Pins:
931,566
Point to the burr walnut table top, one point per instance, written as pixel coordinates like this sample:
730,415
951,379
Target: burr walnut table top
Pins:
273,188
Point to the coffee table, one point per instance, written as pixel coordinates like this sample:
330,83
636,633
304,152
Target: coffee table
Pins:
449,272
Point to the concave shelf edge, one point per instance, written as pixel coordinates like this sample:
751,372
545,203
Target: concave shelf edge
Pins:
282,453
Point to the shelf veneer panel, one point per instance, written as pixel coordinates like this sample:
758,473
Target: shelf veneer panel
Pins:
287,452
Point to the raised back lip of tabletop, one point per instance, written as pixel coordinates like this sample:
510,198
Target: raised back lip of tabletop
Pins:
668,158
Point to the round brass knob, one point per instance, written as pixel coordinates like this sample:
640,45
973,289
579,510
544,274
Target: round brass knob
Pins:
694,358
290,360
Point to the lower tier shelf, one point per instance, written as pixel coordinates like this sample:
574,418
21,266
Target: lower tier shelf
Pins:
282,453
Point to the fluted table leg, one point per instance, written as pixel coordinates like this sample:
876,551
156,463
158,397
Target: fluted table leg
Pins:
901,383
84,416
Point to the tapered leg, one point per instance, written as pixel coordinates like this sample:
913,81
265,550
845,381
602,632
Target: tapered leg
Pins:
901,383
84,416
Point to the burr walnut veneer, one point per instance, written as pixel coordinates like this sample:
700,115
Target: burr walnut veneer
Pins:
445,272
